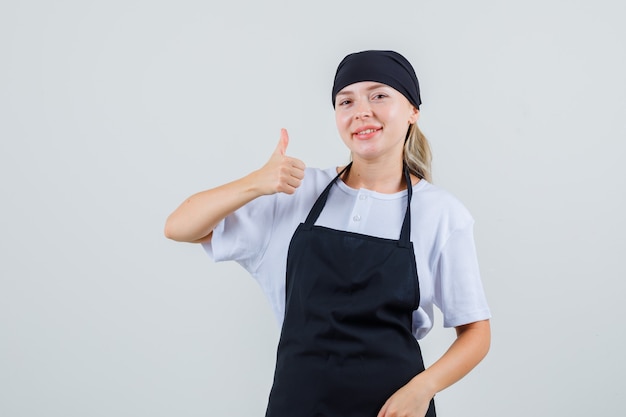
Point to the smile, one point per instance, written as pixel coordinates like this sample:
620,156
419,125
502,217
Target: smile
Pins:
366,131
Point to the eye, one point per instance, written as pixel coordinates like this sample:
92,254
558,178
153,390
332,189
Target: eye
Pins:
379,96
345,102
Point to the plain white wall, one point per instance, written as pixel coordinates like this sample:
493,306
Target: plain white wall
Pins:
113,112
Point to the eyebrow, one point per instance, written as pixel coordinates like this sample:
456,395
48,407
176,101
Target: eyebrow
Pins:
370,88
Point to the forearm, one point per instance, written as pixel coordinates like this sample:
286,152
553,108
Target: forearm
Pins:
469,348
195,219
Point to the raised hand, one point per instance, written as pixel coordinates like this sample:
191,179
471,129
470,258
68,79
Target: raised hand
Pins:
195,219
282,173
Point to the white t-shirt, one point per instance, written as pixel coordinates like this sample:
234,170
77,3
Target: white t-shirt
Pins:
257,236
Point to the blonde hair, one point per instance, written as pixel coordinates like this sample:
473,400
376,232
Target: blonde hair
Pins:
417,155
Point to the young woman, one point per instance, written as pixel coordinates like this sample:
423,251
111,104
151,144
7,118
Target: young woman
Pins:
353,259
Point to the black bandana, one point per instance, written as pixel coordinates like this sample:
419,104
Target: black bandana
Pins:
387,67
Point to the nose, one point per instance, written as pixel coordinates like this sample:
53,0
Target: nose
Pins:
362,110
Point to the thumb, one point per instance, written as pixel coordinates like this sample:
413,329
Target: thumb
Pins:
281,149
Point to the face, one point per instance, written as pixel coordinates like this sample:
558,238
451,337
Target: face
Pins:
372,119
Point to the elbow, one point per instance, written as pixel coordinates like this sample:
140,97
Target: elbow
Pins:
171,231
168,231
178,232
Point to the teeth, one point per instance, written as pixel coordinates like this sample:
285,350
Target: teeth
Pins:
368,131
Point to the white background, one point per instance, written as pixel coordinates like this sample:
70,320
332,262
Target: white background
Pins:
113,112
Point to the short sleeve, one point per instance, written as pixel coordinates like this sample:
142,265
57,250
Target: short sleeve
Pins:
244,235
458,288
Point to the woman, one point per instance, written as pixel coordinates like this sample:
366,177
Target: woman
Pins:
353,259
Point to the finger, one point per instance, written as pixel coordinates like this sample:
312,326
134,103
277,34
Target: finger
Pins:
294,167
298,164
281,149
290,186
293,182
299,175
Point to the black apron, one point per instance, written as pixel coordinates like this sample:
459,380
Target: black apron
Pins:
346,344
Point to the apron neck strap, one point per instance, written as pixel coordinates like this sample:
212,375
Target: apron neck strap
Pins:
405,233
321,201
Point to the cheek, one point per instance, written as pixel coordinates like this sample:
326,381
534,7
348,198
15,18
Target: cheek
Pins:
398,117
394,113
343,127
342,120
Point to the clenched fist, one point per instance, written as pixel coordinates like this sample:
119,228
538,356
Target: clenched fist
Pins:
281,174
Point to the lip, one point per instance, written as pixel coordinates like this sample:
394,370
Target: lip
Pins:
373,131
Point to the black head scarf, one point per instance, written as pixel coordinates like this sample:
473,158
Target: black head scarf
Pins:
387,67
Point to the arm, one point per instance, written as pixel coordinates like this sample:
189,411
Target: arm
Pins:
469,348
195,219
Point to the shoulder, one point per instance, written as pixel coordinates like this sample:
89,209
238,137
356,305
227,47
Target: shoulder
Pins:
438,204
316,175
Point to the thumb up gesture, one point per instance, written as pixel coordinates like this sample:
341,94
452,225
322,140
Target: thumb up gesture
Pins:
281,174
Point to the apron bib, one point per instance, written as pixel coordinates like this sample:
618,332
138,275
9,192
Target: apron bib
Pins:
346,343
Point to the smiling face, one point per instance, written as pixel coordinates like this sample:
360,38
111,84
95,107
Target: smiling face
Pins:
373,119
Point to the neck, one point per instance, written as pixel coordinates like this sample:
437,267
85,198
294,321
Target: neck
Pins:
380,176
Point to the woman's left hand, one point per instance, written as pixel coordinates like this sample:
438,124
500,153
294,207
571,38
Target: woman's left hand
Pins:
469,347
411,400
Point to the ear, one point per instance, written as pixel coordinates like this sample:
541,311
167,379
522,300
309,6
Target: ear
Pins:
414,115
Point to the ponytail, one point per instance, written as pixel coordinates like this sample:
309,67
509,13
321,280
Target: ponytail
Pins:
417,155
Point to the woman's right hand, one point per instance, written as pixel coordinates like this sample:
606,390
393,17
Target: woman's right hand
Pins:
281,174
195,219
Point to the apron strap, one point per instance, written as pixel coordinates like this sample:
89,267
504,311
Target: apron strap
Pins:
321,201
405,233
